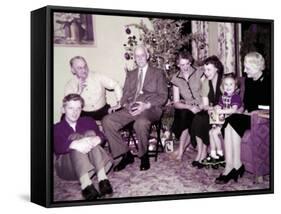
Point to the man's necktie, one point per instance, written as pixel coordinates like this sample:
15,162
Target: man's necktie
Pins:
139,86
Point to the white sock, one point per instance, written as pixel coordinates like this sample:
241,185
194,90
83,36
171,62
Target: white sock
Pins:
214,154
220,153
101,174
85,181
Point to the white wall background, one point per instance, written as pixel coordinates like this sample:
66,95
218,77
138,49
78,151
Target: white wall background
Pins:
105,57
15,106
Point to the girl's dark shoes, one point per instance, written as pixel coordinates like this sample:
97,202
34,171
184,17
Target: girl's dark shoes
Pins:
221,158
195,163
224,179
200,165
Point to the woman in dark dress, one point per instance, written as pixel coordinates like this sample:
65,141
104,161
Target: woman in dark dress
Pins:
257,92
186,99
210,92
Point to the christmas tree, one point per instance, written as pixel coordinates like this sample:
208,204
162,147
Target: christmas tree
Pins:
167,38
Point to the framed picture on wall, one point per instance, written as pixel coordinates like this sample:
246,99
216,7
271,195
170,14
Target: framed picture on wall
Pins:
72,29
104,134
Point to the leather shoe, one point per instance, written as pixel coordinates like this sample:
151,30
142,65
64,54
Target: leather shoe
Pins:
195,163
145,165
127,158
90,193
105,187
224,179
240,172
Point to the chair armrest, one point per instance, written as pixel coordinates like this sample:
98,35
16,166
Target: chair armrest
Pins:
259,126
256,120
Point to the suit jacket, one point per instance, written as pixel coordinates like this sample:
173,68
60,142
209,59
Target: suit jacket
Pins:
154,88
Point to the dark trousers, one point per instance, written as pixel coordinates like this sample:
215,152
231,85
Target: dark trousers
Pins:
112,123
98,114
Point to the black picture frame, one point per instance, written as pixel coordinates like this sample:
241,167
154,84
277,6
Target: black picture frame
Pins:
42,102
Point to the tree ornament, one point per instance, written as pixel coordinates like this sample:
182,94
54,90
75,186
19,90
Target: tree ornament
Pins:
127,56
128,30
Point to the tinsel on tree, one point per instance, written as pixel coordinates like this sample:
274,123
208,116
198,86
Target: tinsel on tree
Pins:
164,41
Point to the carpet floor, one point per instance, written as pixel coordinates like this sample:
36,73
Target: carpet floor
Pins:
165,177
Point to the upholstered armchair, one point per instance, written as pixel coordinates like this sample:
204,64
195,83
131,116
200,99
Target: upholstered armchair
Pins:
255,147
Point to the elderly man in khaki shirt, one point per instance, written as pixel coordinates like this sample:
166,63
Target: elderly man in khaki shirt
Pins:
92,87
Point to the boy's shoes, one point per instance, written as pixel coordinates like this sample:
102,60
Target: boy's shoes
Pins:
90,193
105,187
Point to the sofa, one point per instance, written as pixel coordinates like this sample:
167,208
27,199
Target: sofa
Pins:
255,147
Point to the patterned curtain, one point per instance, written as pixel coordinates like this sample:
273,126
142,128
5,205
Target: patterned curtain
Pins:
226,46
200,49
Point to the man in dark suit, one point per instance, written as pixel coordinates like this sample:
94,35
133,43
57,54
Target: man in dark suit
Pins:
145,92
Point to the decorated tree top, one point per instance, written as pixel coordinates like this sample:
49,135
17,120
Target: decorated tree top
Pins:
166,38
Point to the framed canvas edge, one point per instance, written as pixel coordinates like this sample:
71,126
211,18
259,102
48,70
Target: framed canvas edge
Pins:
49,93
